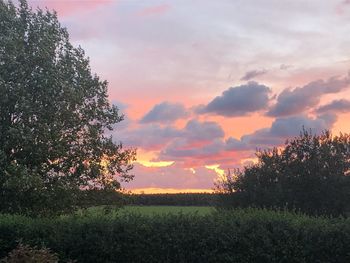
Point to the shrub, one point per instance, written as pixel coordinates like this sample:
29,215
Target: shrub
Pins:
242,235
27,254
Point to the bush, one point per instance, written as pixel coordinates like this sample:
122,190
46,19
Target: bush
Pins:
247,235
27,254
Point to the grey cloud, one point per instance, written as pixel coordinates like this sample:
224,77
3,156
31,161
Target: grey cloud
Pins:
155,137
150,137
239,101
298,100
165,112
233,144
179,150
280,130
253,73
199,140
199,131
336,106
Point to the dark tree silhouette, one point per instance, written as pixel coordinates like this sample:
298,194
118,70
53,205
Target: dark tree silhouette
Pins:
311,174
53,116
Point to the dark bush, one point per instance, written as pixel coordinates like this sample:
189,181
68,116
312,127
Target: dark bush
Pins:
235,236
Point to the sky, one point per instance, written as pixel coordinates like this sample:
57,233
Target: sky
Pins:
203,83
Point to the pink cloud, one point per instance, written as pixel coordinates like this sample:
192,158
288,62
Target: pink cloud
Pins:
153,10
68,7
340,8
174,176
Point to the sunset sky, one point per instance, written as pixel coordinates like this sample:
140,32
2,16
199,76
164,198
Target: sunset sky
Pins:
204,83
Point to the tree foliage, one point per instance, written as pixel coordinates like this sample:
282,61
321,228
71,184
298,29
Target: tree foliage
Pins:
311,173
53,116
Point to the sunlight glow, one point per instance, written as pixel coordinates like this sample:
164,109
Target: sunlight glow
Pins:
215,167
168,191
155,164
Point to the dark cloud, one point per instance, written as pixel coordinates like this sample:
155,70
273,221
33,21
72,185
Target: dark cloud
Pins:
336,106
280,130
233,144
165,112
156,137
199,141
202,131
180,149
239,101
298,100
253,73
149,137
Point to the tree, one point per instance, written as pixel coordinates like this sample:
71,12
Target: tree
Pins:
311,174
54,114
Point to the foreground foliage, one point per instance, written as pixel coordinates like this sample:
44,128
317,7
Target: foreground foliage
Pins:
27,254
311,174
54,114
236,236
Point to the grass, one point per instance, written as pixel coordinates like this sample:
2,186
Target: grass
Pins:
151,210
156,210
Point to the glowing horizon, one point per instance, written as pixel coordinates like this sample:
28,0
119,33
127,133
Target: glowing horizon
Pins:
151,190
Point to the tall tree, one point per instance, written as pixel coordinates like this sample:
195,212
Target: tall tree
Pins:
311,173
54,114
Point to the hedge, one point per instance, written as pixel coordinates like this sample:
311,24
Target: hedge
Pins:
242,235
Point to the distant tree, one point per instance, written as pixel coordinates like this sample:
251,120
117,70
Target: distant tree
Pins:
311,173
53,117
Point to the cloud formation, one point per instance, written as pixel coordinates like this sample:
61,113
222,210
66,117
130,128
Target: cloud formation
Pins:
149,137
298,100
202,131
239,101
280,130
165,112
253,73
336,106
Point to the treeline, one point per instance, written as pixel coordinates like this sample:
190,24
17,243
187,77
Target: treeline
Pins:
235,236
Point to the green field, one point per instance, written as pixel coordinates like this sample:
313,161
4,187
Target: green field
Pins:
156,210
151,210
